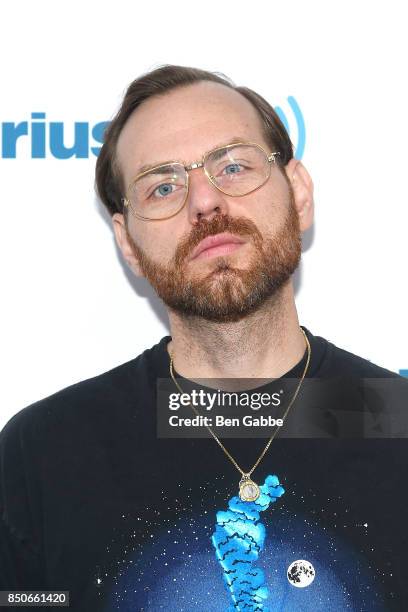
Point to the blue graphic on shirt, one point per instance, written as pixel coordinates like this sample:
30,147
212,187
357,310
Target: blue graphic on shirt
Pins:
238,539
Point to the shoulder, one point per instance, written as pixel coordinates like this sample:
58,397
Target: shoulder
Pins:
363,385
86,398
352,397
340,362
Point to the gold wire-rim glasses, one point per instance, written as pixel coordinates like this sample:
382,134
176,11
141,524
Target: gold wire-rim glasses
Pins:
270,157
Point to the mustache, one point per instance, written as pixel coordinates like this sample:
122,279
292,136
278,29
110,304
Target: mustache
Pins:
240,226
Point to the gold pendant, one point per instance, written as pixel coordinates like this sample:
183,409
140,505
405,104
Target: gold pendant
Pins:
248,489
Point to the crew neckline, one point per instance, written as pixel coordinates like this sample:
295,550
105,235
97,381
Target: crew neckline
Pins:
318,347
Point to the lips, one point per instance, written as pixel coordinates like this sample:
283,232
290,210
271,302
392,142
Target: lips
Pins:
219,240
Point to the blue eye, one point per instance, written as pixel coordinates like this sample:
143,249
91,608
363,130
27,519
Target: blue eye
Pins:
163,190
232,169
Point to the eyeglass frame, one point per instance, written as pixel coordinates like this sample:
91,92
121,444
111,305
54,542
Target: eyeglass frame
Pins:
193,166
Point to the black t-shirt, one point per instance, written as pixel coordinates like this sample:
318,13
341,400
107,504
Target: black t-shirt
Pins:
93,502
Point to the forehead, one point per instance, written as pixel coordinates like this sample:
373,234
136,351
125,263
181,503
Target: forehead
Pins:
183,124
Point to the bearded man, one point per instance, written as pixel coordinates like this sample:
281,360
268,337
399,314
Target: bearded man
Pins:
209,205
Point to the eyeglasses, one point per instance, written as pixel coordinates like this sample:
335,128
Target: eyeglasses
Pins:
236,170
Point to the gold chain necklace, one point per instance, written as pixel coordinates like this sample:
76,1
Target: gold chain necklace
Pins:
248,490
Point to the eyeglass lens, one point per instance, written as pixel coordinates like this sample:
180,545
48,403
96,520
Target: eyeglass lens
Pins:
235,170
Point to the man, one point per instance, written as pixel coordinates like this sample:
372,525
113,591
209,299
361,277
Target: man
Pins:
208,203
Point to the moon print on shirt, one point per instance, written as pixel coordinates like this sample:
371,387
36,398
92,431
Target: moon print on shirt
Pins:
161,557
301,573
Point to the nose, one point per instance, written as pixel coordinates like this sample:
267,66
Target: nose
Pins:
204,200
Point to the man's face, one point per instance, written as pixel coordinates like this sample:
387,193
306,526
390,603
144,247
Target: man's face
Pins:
227,282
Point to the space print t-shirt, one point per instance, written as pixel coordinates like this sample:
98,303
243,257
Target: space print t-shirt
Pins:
93,502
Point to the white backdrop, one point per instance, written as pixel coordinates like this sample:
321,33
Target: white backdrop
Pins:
70,309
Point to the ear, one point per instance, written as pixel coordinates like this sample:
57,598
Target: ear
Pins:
123,242
302,186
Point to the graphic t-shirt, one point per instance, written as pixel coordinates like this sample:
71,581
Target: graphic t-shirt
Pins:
93,502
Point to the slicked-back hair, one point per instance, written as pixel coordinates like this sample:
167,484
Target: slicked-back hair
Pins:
108,179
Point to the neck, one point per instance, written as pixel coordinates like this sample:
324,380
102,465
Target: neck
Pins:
266,344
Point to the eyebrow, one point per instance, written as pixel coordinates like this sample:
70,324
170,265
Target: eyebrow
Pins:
148,167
